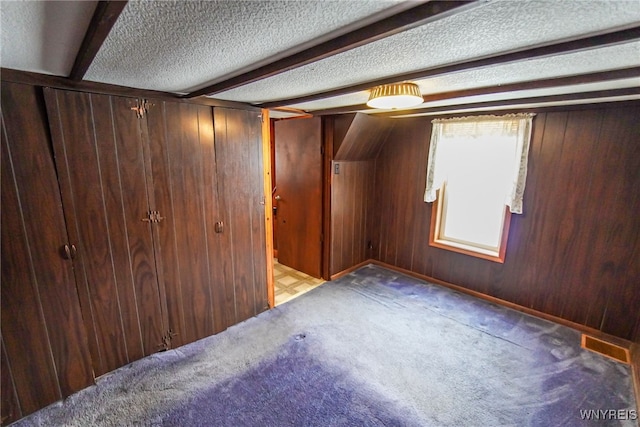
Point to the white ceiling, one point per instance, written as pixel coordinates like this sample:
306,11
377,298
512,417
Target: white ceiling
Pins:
181,46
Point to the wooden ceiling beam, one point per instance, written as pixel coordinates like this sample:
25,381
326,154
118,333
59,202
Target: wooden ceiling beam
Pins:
586,43
57,82
625,73
402,21
506,104
104,17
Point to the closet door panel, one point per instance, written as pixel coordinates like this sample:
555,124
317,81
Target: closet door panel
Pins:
42,333
219,259
123,166
22,317
183,161
239,156
102,172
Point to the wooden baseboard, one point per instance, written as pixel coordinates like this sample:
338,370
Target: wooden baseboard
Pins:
350,269
582,328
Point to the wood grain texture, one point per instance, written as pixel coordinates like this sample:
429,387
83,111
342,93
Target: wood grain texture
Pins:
520,86
31,362
563,47
47,80
299,165
341,125
572,254
364,138
100,158
351,203
46,346
10,406
328,133
238,135
104,17
268,184
186,194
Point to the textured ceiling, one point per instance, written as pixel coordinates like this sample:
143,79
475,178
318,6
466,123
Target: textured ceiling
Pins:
491,28
178,46
43,36
181,46
618,56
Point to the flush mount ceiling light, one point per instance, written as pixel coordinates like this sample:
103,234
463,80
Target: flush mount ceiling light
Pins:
393,96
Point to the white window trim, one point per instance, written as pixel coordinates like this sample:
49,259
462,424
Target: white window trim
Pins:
513,200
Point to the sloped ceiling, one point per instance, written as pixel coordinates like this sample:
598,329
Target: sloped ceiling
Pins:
183,46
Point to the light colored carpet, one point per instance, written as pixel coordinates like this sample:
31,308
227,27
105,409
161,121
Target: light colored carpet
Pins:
372,348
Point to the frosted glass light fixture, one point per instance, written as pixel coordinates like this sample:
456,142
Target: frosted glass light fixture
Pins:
394,96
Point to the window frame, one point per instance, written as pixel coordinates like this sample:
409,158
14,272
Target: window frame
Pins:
437,240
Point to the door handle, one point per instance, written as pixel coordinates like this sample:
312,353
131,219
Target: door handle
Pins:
277,197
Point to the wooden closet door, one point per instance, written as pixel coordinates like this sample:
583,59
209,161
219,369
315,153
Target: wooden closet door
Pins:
44,354
238,136
100,155
193,265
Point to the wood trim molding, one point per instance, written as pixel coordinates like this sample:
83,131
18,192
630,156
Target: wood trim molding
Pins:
437,207
58,82
633,72
564,322
352,269
268,207
327,157
104,17
585,43
507,104
411,18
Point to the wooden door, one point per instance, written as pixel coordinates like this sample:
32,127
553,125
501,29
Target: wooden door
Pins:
44,352
194,266
298,146
238,145
103,175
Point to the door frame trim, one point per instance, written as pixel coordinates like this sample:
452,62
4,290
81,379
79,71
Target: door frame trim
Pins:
268,211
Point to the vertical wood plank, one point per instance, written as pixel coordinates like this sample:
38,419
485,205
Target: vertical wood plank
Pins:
45,346
238,145
298,148
100,155
10,406
350,201
573,253
183,164
77,161
30,359
328,136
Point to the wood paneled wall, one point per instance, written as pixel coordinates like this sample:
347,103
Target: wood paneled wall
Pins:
574,253
103,173
351,196
44,354
240,179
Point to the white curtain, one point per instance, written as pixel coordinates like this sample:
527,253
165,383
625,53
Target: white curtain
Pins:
512,128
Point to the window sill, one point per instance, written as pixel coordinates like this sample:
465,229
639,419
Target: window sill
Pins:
468,250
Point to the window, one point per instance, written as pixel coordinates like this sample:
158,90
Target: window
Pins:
476,177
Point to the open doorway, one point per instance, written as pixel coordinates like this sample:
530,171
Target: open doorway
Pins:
297,200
